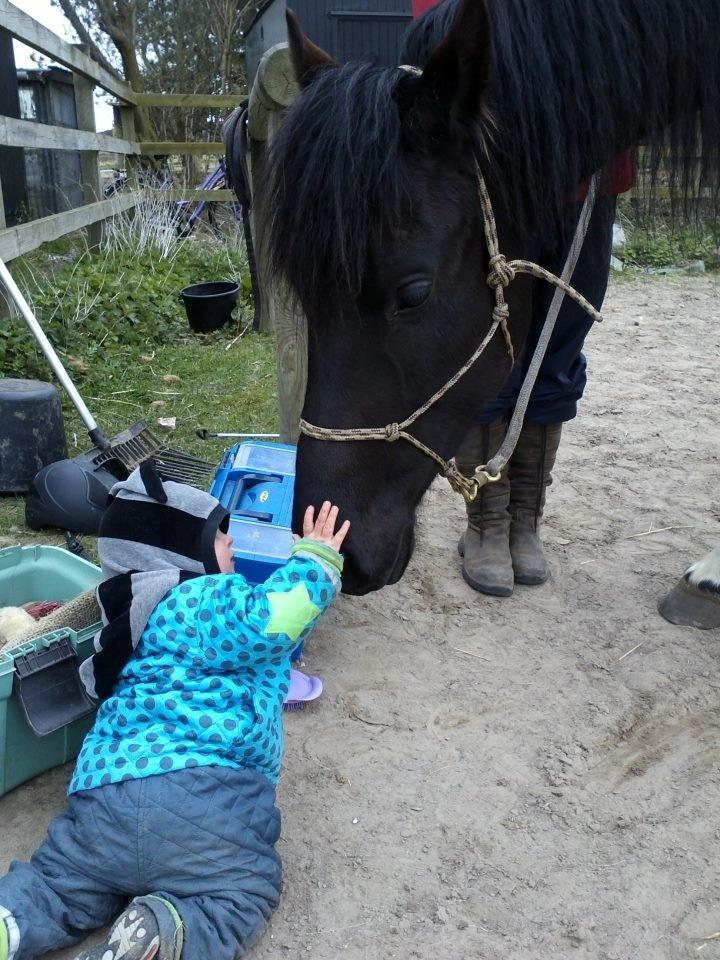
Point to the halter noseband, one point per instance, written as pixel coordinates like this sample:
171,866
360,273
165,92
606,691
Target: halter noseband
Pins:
502,273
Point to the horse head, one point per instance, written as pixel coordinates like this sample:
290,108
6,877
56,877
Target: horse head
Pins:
377,227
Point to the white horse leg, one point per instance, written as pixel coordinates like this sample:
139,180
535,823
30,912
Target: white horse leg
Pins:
695,600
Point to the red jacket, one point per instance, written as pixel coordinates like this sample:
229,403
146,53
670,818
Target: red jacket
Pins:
621,173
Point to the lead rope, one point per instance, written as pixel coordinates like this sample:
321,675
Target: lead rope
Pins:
497,464
502,273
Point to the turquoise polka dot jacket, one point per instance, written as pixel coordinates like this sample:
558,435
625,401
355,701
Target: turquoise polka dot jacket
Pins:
206,684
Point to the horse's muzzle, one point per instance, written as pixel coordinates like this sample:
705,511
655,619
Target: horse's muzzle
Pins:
363,574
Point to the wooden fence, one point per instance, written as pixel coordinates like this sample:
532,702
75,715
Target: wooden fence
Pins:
87,74
273,91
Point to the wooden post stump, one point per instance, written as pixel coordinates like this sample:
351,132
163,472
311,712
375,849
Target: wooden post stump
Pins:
274,89
5,308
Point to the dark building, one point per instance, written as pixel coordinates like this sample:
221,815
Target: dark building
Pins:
54,180
369,30
12,164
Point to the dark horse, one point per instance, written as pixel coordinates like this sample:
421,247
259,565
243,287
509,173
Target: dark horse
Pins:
377,225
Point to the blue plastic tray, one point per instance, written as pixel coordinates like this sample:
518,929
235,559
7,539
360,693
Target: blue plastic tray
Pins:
255,482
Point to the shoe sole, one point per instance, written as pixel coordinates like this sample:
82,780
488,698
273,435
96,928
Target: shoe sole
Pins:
489,591
531,581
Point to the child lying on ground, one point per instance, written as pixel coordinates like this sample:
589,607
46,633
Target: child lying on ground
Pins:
172,801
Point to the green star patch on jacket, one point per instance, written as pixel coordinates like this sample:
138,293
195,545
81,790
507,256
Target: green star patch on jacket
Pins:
291,611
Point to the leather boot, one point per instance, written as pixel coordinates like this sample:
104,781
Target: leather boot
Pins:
484,547
530,475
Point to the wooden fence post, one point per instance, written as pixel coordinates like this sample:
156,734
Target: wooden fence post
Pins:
274,89
5,308
89,159
127,132
7,305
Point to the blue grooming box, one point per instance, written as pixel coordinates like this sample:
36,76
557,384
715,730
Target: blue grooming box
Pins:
255,483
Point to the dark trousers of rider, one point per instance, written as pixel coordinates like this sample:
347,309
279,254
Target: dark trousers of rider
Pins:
563,374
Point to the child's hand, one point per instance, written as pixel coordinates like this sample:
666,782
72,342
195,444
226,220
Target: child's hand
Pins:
322,529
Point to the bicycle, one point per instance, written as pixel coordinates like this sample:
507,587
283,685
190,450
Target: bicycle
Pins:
185,215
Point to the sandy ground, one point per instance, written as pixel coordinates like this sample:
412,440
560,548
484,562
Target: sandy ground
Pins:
489,779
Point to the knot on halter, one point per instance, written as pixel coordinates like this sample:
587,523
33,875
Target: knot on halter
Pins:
501,273
392,432
501,313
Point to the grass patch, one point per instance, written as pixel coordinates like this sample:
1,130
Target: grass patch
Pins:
118,298
666,243
220,387
661,248
116,319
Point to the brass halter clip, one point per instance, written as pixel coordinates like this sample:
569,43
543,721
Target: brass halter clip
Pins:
469,487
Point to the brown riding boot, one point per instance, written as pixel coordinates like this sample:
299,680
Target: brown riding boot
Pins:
484,547
530,475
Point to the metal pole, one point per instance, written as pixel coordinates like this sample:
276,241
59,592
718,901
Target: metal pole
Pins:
51,356
206,434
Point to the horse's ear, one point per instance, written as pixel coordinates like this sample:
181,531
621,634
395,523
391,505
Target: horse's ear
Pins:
458,70
308,59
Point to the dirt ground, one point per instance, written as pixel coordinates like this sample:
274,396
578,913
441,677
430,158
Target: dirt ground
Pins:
534,777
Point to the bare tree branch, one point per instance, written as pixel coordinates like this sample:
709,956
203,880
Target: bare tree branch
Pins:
68,8
117,19
168,46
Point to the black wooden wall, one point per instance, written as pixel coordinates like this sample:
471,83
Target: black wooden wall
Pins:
364,30
12,164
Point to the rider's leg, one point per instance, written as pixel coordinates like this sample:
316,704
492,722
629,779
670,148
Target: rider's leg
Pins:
560,385
558,389
484,547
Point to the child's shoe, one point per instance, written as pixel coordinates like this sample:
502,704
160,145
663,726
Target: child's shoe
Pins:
150,929
9,934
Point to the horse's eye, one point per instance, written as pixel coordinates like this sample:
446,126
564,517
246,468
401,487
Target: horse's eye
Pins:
413,294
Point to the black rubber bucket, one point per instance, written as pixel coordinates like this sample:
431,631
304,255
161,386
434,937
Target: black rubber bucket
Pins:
209,305
31,431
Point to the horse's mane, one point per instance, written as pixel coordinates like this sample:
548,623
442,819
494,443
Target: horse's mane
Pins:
563,75
564,72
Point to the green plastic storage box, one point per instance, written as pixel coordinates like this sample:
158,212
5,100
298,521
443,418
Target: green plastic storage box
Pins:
27,574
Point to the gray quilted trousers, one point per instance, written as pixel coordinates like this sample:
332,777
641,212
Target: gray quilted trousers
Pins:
202,838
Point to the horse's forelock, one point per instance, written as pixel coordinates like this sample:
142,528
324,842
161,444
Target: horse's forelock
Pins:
336,178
